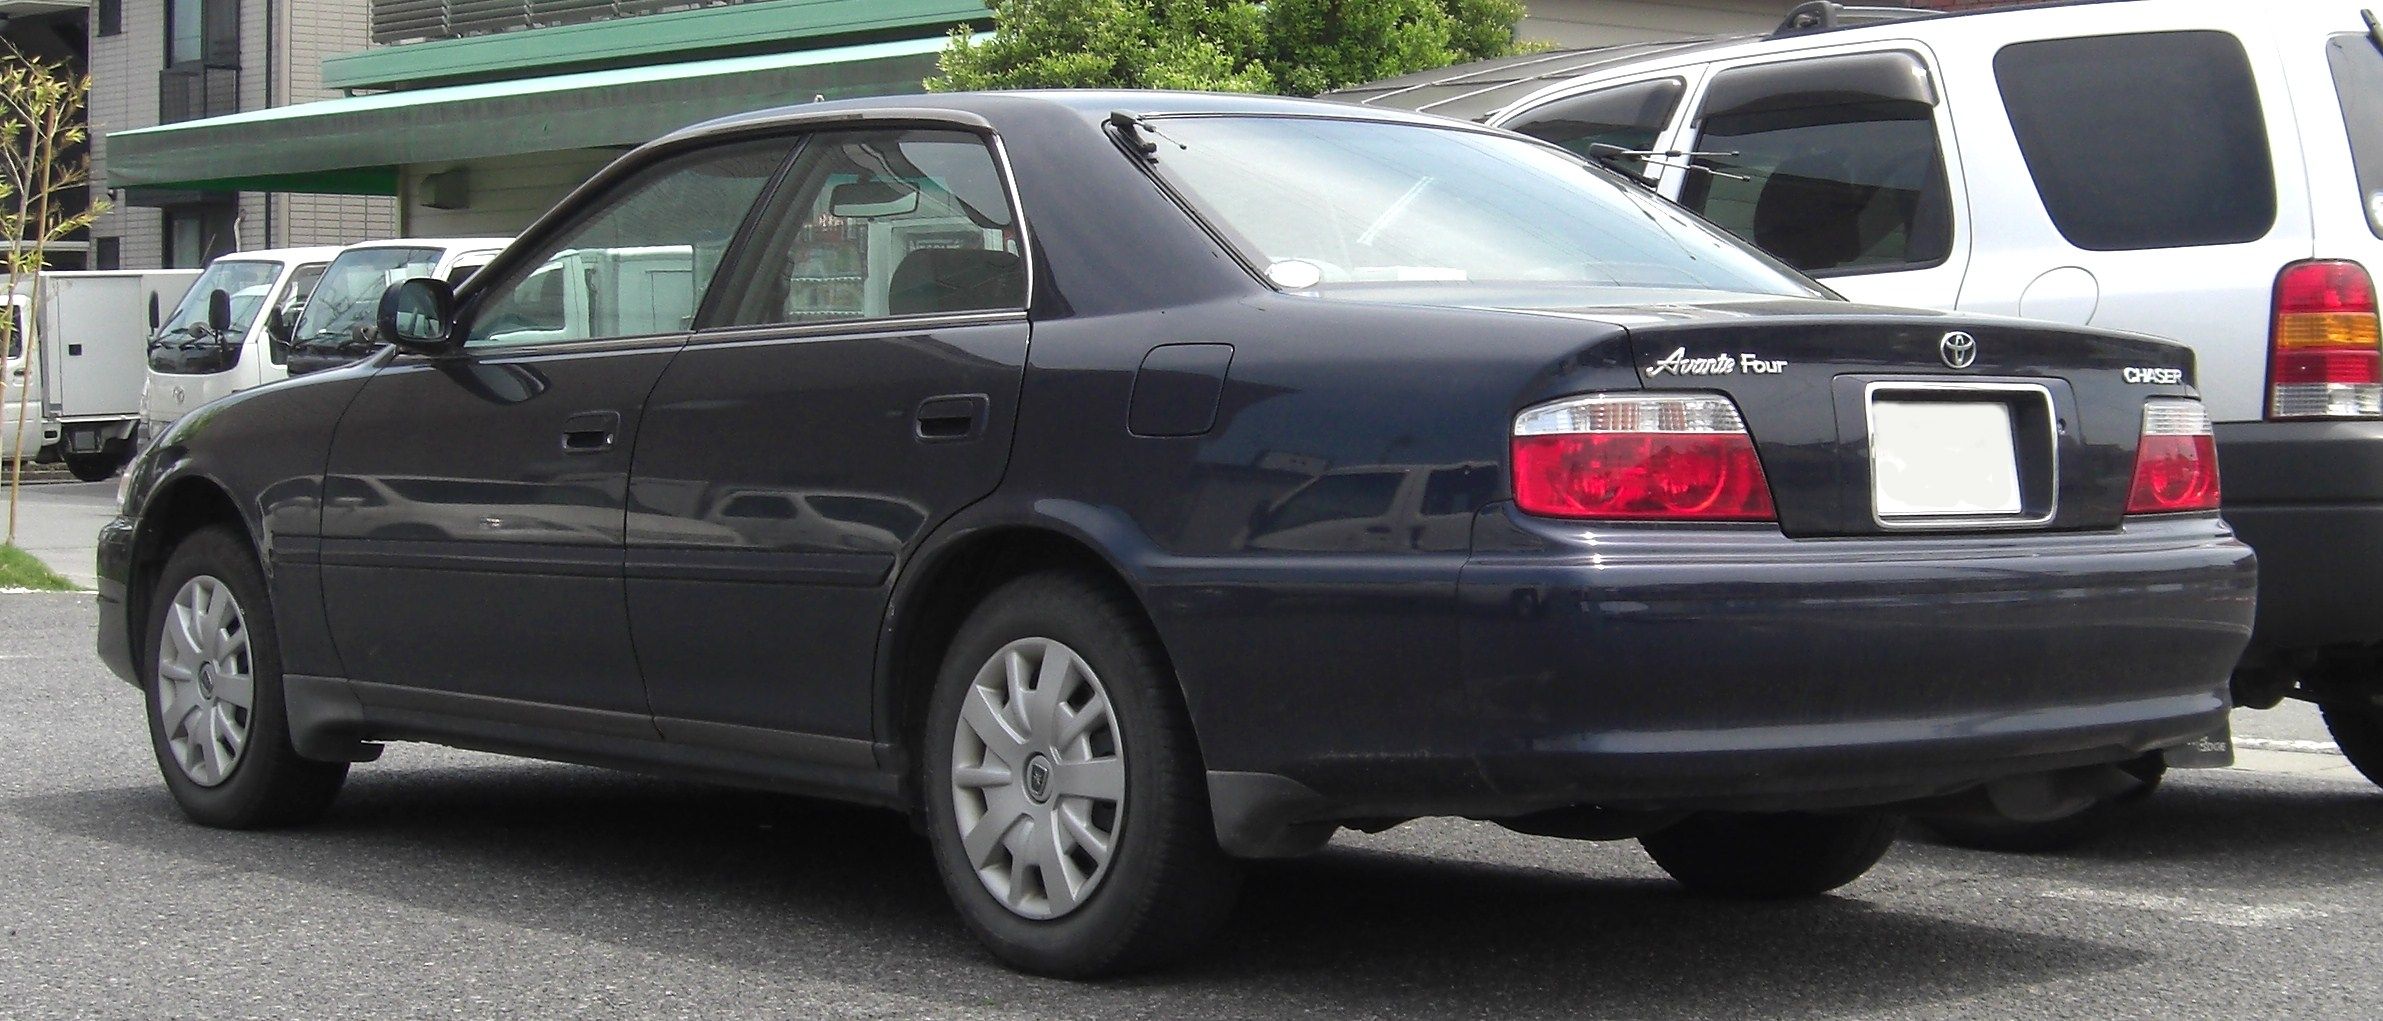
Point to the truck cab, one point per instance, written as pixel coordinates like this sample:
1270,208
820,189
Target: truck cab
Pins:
191,363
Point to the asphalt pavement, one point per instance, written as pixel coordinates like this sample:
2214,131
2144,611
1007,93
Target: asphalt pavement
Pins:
448,884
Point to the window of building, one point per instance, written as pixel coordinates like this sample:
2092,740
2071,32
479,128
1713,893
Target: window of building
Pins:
884,223
640,263
107,253
110,17
1629,116
1834,164
196,234
202,33
2171,151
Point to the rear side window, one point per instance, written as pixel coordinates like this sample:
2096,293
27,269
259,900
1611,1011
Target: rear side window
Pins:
1833,165
2153,140
2358,79
1630,116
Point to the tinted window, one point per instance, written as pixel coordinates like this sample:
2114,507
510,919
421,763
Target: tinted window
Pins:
1341,207
1630,116
2358,80
639,264
885,223
2142,141
1831,177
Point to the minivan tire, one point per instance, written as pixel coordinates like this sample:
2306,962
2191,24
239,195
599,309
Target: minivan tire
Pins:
1167,887
268,784
2357,728
1770,856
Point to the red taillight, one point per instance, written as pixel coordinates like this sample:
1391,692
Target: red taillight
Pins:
2176,465
2324,358
1639,457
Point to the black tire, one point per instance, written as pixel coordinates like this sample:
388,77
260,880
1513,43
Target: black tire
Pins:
1770,857
98,467
2357,727
1167,888
2012,836
269,784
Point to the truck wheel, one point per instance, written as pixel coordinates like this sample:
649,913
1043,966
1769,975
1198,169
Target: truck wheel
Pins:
1770,856
1063,791
98,467
2358,728
216,718
2012,836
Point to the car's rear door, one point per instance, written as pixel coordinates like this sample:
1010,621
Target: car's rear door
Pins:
855,383
480,551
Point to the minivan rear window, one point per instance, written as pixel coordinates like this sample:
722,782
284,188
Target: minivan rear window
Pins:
2357,61
2170,151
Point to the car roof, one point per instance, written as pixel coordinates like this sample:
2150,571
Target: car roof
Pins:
448,244
312,253
988,108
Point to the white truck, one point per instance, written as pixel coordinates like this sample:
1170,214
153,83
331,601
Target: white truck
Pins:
78,362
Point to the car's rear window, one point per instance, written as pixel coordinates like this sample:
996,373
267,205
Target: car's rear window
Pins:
2357,62
2151,140
1320,204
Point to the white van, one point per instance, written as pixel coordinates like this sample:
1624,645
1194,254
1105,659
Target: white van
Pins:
190,363
338,324
76,363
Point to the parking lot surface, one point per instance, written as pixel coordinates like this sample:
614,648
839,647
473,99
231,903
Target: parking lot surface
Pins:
451,884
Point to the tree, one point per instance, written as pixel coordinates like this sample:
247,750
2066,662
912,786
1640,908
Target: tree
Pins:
42,161
1293,47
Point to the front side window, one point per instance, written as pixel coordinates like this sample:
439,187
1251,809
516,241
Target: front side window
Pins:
293,305
345,302
640,263
2152,140
1354,208
185,344
885,223
1629,117
1832,165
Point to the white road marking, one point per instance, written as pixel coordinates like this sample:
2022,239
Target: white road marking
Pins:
2269,744
2231,916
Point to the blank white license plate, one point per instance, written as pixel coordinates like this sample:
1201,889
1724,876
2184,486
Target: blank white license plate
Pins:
1943,459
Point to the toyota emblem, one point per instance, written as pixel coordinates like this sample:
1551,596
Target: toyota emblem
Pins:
178,395
1960,350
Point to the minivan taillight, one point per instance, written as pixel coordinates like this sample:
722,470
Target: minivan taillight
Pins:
2325,361
2176,465
1676,457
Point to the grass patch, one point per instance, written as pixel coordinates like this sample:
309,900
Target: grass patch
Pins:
19,569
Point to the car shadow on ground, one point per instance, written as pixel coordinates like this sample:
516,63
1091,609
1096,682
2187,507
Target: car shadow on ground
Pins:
813,890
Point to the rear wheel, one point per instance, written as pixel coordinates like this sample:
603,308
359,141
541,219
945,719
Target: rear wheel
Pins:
216,718
2357,728
1064,794
1770,856
98,467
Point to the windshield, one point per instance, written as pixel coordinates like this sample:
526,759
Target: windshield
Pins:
1330,205
350,292
184,344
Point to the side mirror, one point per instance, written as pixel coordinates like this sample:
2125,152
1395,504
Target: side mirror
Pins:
418,316
219,312
154,318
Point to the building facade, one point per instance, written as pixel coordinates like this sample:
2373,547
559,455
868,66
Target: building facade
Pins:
161,62
472,117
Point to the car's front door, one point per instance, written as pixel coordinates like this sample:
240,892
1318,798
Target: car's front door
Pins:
855,383
472,541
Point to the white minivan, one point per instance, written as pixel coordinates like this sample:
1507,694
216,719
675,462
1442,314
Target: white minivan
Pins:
191,363
337,326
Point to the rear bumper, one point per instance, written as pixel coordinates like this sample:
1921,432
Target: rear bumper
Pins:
1734,668
2309,497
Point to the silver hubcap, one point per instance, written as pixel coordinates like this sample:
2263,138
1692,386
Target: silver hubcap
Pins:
206,681
1038,778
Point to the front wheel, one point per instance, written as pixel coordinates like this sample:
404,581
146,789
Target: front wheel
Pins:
1770,856
1063,791
216,718
2357,727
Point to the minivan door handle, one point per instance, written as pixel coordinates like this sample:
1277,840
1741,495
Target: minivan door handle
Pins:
591,432
953,417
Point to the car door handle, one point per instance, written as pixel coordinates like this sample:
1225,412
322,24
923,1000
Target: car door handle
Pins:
953,417
590,432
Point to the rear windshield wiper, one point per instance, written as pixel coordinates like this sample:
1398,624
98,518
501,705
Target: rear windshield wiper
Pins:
2374,29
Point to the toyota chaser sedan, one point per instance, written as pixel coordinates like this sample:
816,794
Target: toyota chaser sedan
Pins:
1129,484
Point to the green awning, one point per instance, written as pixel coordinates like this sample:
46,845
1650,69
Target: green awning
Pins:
347,146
